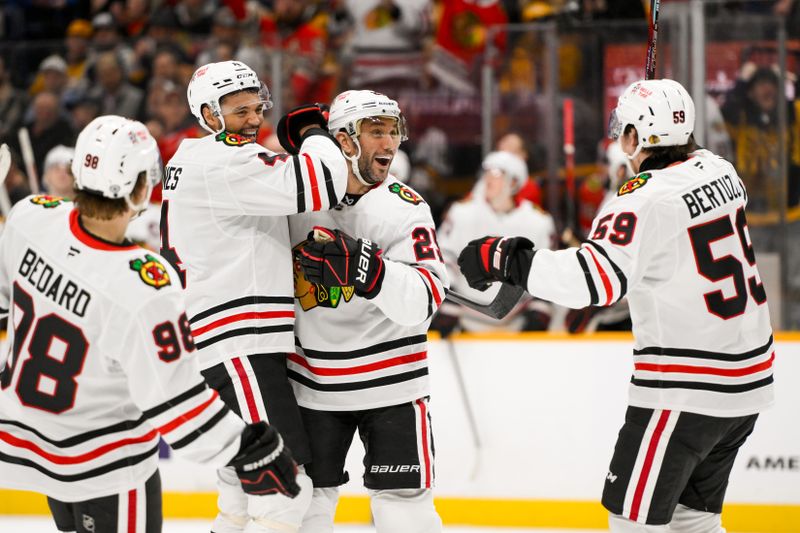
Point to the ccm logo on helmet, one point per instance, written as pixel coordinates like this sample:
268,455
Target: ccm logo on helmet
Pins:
363,260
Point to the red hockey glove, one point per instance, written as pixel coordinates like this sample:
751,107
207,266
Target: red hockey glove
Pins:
294,121
264,464
490,259
332,258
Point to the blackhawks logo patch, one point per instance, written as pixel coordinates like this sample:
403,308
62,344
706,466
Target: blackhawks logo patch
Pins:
311,295
405,193
151,271
636,182
47,201
232,139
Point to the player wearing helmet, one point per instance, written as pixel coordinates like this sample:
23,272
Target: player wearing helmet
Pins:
102,363
224,227
492,208
363,307
675,241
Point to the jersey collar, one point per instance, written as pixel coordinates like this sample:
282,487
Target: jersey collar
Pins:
92,241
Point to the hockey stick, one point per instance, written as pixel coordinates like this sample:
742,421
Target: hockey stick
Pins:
5,167
507,298
27,156
471,420
652,38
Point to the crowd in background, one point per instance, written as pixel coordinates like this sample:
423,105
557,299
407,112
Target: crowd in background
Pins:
63,63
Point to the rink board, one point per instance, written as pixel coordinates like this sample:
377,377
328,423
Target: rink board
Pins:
548,408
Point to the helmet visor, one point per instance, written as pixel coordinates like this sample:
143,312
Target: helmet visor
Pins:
259,102
615,126
380,127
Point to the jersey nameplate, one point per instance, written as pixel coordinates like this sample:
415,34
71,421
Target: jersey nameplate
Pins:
636,182
405,193
48,201
232,139
151,271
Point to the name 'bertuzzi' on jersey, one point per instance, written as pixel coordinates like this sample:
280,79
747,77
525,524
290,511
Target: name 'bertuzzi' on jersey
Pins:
705,345
226,193
354,353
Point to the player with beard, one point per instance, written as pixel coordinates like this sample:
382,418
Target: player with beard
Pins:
363,308
224,227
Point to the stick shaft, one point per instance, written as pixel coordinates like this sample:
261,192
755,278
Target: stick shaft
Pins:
652,39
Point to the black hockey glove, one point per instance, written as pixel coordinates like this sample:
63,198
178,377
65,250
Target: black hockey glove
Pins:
490,259
333,258
291,123
264,464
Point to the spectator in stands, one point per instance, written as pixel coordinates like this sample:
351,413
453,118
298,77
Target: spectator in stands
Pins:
57,177
492,209
387,43
12,103
107,38
77,42
52,76
116,94
194,16
83,110
461,40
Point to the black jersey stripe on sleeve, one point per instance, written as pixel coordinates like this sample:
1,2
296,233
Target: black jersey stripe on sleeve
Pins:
124,462
177,400
369,350
301,188
699,385
197,433
239,302
244,331
357,385
332,199
589,280
702,354
623,280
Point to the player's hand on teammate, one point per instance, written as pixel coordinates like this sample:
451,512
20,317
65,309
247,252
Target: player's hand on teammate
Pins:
264,464
333,258
293,124
489,259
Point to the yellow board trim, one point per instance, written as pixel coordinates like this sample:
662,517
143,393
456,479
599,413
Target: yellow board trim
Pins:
457,511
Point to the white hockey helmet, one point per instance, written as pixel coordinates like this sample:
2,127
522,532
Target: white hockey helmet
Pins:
351,107
211,82
512,167
110,153
661,111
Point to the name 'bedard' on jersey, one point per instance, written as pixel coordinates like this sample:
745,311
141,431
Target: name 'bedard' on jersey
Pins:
101,362
675,241
354,353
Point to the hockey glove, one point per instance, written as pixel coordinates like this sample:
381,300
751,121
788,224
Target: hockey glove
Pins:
294,121
490,259
264,464
333,258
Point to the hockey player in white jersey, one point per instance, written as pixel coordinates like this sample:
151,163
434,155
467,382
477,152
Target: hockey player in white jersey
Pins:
675,241
102,360
224,227
492,208
365,296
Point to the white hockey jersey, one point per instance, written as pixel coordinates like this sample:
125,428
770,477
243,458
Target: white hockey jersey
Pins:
101,362
676,242
355,353
474,218
224,226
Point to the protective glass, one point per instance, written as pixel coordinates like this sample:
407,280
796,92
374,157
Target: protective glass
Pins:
614,126
374,128
261,101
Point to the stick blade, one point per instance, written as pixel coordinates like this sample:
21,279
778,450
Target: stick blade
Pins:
507,298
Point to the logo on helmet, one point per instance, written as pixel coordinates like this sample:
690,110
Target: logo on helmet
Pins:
151,271
47,201
405,193
636,182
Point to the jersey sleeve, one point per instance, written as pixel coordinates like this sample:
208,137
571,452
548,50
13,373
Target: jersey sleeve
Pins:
165,382
602,270
415,281
258,182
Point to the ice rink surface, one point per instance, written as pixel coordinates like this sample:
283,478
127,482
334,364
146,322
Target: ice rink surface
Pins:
10,524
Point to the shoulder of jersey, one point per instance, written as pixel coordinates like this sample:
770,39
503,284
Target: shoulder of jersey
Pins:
149,271
38,206
399,194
